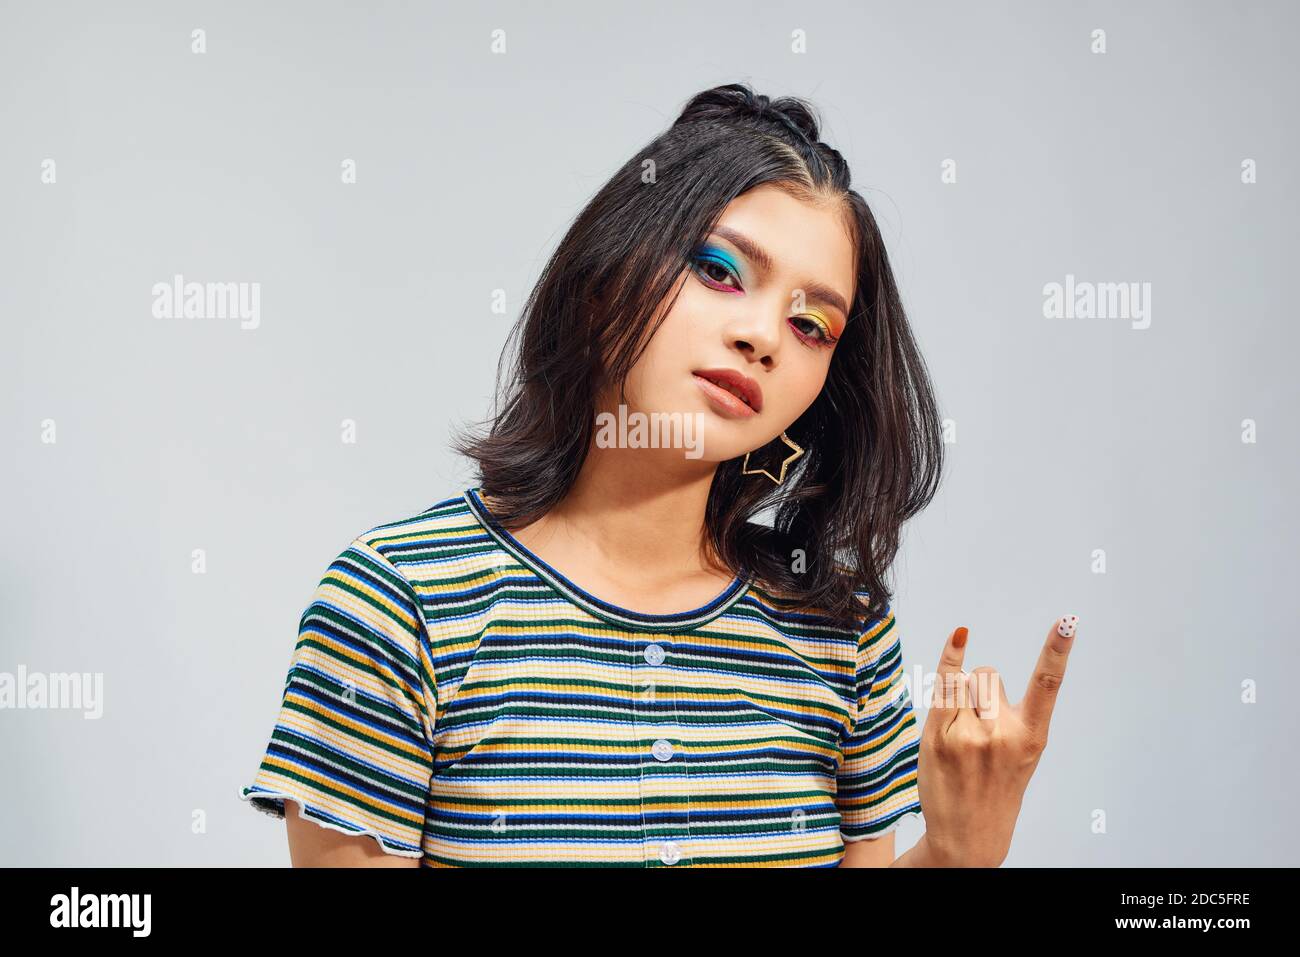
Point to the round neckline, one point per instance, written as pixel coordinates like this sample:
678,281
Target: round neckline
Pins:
608,611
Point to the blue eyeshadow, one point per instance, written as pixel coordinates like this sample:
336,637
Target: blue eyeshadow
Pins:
717,252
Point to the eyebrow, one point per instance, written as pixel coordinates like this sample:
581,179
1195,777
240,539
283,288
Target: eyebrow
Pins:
819,292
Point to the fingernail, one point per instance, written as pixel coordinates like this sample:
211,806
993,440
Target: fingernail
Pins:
1065,627
959,638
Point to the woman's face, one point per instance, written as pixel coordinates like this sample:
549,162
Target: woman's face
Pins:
766,297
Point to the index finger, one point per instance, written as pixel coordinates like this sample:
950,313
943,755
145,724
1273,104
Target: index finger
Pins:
1045,682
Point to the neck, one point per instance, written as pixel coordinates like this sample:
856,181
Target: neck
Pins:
629,506
640,513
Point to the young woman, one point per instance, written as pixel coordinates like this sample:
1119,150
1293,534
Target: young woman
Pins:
594,656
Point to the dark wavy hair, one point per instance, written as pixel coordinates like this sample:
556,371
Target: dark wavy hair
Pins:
872,436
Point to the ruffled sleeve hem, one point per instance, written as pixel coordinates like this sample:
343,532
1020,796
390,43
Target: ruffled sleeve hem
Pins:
860,832
272,803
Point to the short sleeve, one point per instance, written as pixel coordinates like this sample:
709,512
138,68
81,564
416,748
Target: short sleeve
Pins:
352,742
876,784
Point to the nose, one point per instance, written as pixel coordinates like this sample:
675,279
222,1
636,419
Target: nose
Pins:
755,331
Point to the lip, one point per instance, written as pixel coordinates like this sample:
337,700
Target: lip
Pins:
711,382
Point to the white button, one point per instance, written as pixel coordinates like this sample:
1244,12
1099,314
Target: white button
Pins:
663,749
669,853
654,654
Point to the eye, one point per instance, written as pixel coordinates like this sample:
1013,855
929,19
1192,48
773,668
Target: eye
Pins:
714,272
815,331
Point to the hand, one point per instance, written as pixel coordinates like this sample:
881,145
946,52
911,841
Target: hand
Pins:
978,751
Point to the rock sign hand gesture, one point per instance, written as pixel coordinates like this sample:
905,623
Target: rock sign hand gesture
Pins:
978,751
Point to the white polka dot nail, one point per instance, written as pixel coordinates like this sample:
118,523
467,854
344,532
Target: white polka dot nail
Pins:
1065,627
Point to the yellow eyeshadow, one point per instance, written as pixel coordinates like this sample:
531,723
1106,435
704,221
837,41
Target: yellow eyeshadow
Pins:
827,326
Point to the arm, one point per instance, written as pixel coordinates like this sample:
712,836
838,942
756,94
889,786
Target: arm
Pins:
877,782
872,852
311,845
879,852
352,744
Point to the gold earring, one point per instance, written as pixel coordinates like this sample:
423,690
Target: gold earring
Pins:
746,470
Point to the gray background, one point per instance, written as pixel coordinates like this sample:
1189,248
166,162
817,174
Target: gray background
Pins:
1072,435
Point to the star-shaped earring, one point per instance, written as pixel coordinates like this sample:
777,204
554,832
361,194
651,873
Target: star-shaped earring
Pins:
746,470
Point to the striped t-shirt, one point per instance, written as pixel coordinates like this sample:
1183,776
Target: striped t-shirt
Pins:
459,700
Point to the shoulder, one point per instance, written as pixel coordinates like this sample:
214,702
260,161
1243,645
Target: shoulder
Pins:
877,620
385,558
794,616
774,543
775,598
438,559
423,536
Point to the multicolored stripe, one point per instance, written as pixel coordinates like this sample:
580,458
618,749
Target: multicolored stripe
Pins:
459,700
